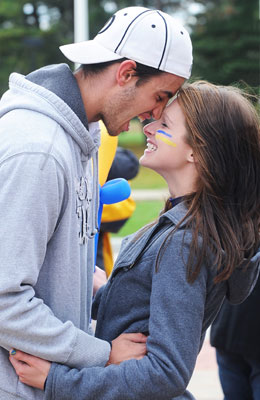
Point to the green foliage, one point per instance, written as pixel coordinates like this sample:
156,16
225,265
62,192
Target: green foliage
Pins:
225,36
164,5
27,43
134,137
25,50
24,45
145,212
226,42
148,179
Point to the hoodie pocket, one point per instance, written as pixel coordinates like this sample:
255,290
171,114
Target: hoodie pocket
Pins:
27,393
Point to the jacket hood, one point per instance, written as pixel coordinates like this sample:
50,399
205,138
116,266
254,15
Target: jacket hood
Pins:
243,279
25,94
35,93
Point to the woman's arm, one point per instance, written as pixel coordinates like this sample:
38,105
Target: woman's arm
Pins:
176,315
33,371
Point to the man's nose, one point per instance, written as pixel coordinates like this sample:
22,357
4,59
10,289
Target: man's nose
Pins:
157,111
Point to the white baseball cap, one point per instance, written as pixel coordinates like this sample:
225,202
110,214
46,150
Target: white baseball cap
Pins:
150,37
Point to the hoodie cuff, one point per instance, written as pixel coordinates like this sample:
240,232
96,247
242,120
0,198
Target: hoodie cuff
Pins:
88,351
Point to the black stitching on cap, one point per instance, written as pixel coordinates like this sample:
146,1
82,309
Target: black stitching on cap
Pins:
166,39
110,22
153,26
129,27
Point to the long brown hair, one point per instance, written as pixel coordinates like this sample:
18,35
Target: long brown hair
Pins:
223,132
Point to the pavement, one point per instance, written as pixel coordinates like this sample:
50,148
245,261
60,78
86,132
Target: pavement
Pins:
150,194
204,383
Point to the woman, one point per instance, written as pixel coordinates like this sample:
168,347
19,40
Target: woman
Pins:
171,278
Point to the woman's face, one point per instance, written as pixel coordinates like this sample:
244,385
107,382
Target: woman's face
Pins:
167,151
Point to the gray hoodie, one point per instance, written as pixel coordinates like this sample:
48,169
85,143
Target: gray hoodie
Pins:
48,210
161,303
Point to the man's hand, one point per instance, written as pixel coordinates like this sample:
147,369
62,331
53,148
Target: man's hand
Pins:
31,370
127,346
100,279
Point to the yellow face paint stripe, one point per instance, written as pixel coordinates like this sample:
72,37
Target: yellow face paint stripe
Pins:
165,140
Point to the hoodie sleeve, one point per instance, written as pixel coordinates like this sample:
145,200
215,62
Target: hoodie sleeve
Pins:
175,325
31,199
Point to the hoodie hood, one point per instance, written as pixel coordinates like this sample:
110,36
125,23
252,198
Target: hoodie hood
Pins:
52,77
243,279
25,94
53,91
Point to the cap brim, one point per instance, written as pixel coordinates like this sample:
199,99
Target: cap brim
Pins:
88,52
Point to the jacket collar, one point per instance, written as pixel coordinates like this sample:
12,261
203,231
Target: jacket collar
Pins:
133,248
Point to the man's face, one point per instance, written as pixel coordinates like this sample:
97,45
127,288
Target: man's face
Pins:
146,101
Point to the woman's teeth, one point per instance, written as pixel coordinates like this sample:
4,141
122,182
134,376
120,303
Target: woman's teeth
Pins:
151,147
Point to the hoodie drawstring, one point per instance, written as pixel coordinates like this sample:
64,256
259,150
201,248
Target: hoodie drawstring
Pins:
95,197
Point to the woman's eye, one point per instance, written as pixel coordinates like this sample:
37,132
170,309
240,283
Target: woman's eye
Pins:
164,124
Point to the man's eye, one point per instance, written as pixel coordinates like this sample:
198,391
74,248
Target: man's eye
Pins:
159,98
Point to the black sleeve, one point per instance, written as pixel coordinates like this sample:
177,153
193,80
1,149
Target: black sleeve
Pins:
125,165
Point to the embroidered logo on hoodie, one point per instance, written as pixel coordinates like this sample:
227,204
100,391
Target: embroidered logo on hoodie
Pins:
83,201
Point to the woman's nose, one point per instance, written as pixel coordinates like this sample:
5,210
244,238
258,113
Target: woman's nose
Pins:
150,129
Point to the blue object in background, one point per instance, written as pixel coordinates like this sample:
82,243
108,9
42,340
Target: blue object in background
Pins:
111,192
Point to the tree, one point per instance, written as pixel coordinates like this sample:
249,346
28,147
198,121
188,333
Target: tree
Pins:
32,31
30,34
226,42
225,34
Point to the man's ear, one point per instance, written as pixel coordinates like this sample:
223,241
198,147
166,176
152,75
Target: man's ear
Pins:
125,72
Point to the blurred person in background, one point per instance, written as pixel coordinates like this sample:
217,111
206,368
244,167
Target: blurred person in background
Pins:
125,165
236,335
172,276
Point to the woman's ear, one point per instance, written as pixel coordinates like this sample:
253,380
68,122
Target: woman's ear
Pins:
190,157
126,72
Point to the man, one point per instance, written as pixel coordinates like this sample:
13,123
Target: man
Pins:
49,195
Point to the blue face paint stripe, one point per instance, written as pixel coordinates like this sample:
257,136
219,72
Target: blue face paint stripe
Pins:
164,133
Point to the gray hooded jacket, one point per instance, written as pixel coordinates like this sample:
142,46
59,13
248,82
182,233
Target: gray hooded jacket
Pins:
48,214
174,313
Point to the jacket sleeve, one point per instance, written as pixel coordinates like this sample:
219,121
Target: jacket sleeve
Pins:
176,315
31,198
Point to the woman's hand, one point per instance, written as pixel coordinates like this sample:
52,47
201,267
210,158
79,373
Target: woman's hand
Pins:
31,370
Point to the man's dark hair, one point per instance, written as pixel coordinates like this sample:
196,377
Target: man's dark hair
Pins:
143,72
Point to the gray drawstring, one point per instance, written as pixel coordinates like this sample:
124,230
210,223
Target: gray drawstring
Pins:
95,197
